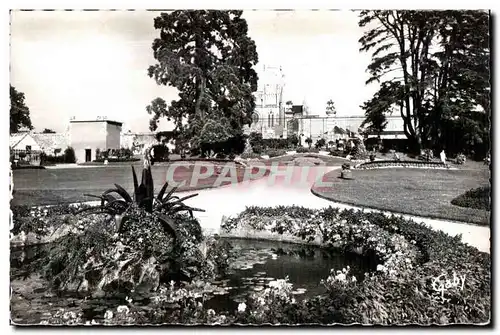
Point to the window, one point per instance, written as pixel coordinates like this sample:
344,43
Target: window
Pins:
28,148
255,117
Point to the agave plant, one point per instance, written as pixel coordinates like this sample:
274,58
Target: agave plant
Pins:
117,201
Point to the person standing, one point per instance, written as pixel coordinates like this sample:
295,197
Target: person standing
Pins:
443,157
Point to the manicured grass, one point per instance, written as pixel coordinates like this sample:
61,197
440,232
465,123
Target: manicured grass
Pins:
55,186
420,192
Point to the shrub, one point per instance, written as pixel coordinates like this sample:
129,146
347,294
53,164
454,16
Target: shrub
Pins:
478,198
275,152
250,155
69,155
338,153
346,166
293,140
150,240
161,153
256,141
320,143
302,150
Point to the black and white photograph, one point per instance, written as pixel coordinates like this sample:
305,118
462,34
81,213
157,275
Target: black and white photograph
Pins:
228,167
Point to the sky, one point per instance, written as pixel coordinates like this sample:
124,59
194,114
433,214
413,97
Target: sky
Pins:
88,64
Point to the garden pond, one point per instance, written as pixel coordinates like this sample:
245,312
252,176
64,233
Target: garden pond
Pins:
253,266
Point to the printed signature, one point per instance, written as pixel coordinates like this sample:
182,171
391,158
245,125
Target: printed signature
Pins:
442,283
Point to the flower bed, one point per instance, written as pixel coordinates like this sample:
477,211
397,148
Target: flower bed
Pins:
406,164
423,276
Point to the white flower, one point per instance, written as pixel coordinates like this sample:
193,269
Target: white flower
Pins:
242,307
354,279
140,240
211,312
123,309
380,267
341,277
108,315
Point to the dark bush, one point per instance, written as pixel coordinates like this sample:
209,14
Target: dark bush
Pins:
69,155
275,152
320,143
302,150
478,198
161,153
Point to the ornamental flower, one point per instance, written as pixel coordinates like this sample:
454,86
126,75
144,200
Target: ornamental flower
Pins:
242,307
108,315
123,309
211,313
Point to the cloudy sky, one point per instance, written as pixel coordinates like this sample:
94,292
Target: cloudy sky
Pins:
87,64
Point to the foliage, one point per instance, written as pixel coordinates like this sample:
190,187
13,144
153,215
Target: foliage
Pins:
161,153
69,155
208,57
433,69
250,155
475,198
401,163
309,141
275,152
163,207
359,150
19,112
48,131
229,147
346,166
330,108
320,143
120,154
293,140
302,150
256,141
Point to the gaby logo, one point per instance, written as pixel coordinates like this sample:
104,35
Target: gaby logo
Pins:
443,283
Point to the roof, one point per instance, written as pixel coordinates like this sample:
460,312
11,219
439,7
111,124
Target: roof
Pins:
16,138
49,141
116,123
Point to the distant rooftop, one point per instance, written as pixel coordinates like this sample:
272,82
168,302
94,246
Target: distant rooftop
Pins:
98,119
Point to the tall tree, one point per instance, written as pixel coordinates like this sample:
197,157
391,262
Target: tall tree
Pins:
19,112
434,62
208,57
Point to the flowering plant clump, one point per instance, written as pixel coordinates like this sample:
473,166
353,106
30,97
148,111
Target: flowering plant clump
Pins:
422,277
42,220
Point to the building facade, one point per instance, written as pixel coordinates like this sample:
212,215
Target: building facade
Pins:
269,114
87,136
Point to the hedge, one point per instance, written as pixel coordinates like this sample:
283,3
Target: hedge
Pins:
478,198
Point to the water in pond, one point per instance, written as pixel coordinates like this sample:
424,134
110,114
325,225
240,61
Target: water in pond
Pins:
256,264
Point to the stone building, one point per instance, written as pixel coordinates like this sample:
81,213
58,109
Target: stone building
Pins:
86,136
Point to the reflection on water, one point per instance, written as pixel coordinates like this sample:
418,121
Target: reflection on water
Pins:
254,265
259,262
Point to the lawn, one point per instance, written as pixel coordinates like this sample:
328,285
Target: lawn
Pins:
55,186
421,192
